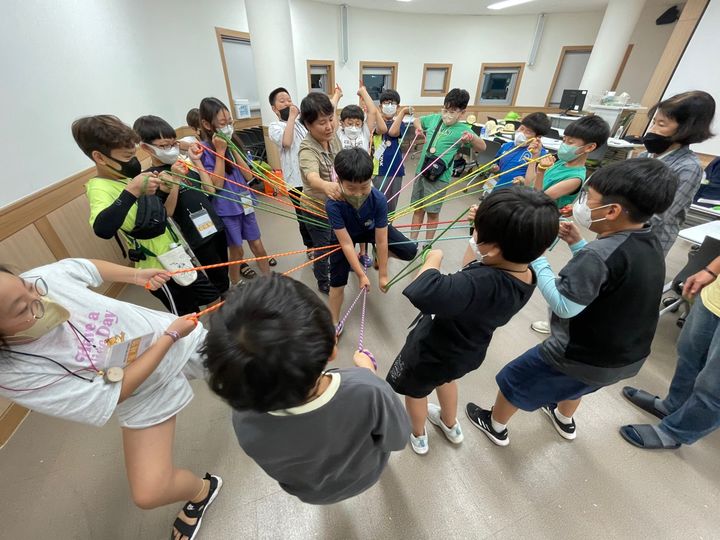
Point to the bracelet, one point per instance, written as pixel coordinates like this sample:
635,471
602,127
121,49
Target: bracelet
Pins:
713,274
173,335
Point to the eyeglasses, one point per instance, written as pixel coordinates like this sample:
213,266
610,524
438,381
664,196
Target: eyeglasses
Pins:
37,308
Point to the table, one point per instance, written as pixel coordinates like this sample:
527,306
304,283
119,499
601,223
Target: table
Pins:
561,121
697,234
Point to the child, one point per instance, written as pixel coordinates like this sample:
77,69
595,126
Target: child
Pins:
354,131
604,301
323,435
119,194
239,214
691,409
460,312
316,155
563,179
678,122
193,120
441,132
360,217
388,153
287,133
200,225
532,127
53,332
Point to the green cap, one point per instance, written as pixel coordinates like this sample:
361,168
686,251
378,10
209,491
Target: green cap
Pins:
512,115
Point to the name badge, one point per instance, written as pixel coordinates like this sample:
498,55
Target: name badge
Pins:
203,223
122,352
247,204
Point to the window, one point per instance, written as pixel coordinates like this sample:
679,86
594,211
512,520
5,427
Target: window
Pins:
378,76
321,76
499,84
568,73
239,68
436,80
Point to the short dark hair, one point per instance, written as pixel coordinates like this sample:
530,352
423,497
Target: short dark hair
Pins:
538,122
521,221
274,93
314,105
350,112
458,98
150,128
208,110
693,111
642,186
353,165
103,133
269,344
589,129
390,95
193,118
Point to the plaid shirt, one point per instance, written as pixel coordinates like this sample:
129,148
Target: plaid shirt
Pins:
685,164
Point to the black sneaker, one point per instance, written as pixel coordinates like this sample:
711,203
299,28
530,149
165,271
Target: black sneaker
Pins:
566,431
324,288
481,419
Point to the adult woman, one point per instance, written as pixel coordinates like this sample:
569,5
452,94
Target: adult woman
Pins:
55,337
678,122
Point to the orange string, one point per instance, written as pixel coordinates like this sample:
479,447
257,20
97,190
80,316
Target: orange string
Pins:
217,306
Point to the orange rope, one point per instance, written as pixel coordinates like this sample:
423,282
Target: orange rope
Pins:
217,306
241,261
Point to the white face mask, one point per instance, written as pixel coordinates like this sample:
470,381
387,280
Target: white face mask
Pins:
389,109
473,245
227,130
520,138
167,155
449,118
582,213
352,132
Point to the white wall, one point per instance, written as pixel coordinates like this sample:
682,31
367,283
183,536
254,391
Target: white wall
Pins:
649,42
698,70
63,60
466,42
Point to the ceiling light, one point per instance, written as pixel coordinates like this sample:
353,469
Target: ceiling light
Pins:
404,0
507,4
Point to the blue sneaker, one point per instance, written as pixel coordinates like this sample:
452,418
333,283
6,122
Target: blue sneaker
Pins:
365,260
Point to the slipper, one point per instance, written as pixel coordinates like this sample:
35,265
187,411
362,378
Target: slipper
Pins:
643,400
644,436
272,261
246,271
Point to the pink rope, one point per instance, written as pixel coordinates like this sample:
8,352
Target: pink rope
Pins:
387,188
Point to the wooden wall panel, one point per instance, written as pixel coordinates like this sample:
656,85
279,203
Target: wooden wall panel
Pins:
25,249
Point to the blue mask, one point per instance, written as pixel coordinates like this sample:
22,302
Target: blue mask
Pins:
568,152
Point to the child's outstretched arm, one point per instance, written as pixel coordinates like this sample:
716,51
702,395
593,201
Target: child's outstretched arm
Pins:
348,248
381,246
372,112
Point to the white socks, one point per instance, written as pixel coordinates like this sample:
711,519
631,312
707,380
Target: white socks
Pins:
497,426
562,418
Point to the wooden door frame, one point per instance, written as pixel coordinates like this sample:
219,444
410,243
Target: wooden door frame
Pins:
561,59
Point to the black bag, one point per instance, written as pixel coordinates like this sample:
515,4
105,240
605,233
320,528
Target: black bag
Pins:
151,218
433,167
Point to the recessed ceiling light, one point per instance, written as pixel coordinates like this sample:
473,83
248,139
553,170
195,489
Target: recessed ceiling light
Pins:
507,4
404,0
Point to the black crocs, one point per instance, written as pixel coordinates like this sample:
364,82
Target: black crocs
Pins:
196,510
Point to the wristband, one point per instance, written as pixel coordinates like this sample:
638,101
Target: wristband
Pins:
713,274
172,334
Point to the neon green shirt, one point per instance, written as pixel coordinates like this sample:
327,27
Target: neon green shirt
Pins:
444,140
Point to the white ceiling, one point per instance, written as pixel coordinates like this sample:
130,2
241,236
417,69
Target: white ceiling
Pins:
479,7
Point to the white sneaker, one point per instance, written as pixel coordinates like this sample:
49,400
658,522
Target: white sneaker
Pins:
453,434
541,327
419,444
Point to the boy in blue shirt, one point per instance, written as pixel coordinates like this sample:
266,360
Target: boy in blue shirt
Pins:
360,216
533,126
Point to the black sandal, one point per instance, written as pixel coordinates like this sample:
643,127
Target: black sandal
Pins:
196,510
272,261
643,400
246,271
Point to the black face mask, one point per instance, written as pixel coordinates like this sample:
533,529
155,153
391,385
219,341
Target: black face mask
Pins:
656,144
129,169
284,114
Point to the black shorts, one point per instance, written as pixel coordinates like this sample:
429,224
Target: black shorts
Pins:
398,244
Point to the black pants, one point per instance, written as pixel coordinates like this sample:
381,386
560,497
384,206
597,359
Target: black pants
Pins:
215,251
321,237
306,237
188,299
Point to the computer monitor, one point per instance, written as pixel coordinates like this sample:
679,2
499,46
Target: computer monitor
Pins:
573,100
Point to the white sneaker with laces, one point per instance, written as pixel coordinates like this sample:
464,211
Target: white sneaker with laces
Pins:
453,434
419,444
541,327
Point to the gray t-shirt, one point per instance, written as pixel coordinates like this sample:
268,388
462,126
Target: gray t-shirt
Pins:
333,447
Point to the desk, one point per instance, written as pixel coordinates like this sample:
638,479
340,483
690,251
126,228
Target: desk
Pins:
697,234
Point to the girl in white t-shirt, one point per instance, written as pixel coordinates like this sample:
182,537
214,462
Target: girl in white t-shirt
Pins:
56,336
